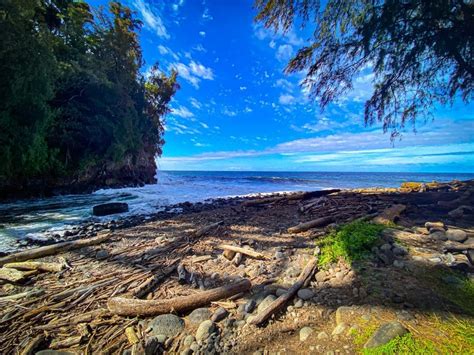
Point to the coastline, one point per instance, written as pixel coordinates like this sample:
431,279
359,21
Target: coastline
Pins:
70,310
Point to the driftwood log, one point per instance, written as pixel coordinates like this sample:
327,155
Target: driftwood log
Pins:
53,249
390,215
13,275
206,229
33,345
249,252
303,227
36,265
281,301
295,196
135,307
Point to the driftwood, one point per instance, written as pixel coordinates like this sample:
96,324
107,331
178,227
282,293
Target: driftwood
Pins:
66,343
263,201
30,293
319,222
53,249
31,347
135,307
150,284
206,229
82,318
455,247
294,196
390,215
281,301
36,265
249,252
13,275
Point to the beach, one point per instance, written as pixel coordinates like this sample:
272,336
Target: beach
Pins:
262,245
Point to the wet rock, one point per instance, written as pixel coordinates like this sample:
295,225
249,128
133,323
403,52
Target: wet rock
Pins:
219,314
109,208
166,324
205,329
199,315
305,333
456,235
385,333
305,294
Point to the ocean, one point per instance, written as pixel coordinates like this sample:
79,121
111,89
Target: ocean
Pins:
32,218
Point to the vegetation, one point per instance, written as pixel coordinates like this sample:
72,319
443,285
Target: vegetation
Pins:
421,52
72,98
352,242
448,336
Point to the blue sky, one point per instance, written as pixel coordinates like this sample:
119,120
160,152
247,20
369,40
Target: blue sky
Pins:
237,110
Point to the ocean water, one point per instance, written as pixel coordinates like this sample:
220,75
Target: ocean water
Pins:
31,218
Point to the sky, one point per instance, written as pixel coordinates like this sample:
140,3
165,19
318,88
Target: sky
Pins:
237,110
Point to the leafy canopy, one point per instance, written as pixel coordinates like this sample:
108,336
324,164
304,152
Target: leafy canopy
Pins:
421,52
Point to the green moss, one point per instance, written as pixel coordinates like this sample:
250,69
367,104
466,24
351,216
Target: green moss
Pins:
352,242
406,344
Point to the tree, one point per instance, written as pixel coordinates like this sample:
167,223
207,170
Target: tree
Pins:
421,52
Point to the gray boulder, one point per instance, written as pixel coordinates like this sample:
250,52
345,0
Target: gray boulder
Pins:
166,324
385,333
199,315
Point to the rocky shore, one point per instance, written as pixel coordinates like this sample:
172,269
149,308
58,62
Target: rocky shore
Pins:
367,270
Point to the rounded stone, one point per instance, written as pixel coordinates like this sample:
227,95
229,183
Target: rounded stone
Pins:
305,333
199,315
456,235
166,324
385,333
189,340
323,336
265,303
305,294
219,314
205,329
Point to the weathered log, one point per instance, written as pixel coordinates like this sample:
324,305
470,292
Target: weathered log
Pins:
206,229
76,319
135,307
456,247
36,265
66,343
149,284
390,215
319,222
281,301
33,345
34,292
262,201
54,249
311,194
131,336
249,252
13,275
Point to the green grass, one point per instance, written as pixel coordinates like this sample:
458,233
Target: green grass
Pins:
352,242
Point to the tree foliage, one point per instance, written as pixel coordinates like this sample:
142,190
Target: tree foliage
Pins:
421,52
72,96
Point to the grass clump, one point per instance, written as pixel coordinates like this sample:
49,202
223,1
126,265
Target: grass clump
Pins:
406,344
455,287
352,242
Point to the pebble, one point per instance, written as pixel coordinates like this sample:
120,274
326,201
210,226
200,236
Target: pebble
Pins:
439,235
298,303
250,306
323,336
340,328
279,255
305,333
205,329
219,314
305,294
385,333
102,254
166,324
280,291
265,303
189,340
456,235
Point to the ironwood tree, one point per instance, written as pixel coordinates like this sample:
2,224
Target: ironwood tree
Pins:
421,52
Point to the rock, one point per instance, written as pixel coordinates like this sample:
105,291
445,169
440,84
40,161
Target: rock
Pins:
439,235
470,256
109,208
228,254
390,215
280,291
199,315
385,247
321,276
102,254
298,303
305,294
237,259
399,251
279,255
439,225
54,352
152,346
166,324
219,314
250,306
398,264
323,336
456,235
265,303
293,271
189,340
345,314
305,333
460,211
385,333
340,328
205,329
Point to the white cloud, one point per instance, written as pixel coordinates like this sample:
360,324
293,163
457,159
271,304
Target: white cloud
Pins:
242,88
286,99
200,48
248,110
206,15
163,50
202,33
229,112
195,103
284,52
200,145
193,72
272,44
182,111
151,18
284,84
204,125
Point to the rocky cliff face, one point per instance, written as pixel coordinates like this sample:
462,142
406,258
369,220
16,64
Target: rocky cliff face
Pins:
132,171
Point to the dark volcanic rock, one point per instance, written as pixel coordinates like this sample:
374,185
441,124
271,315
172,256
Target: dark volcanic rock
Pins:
109,208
